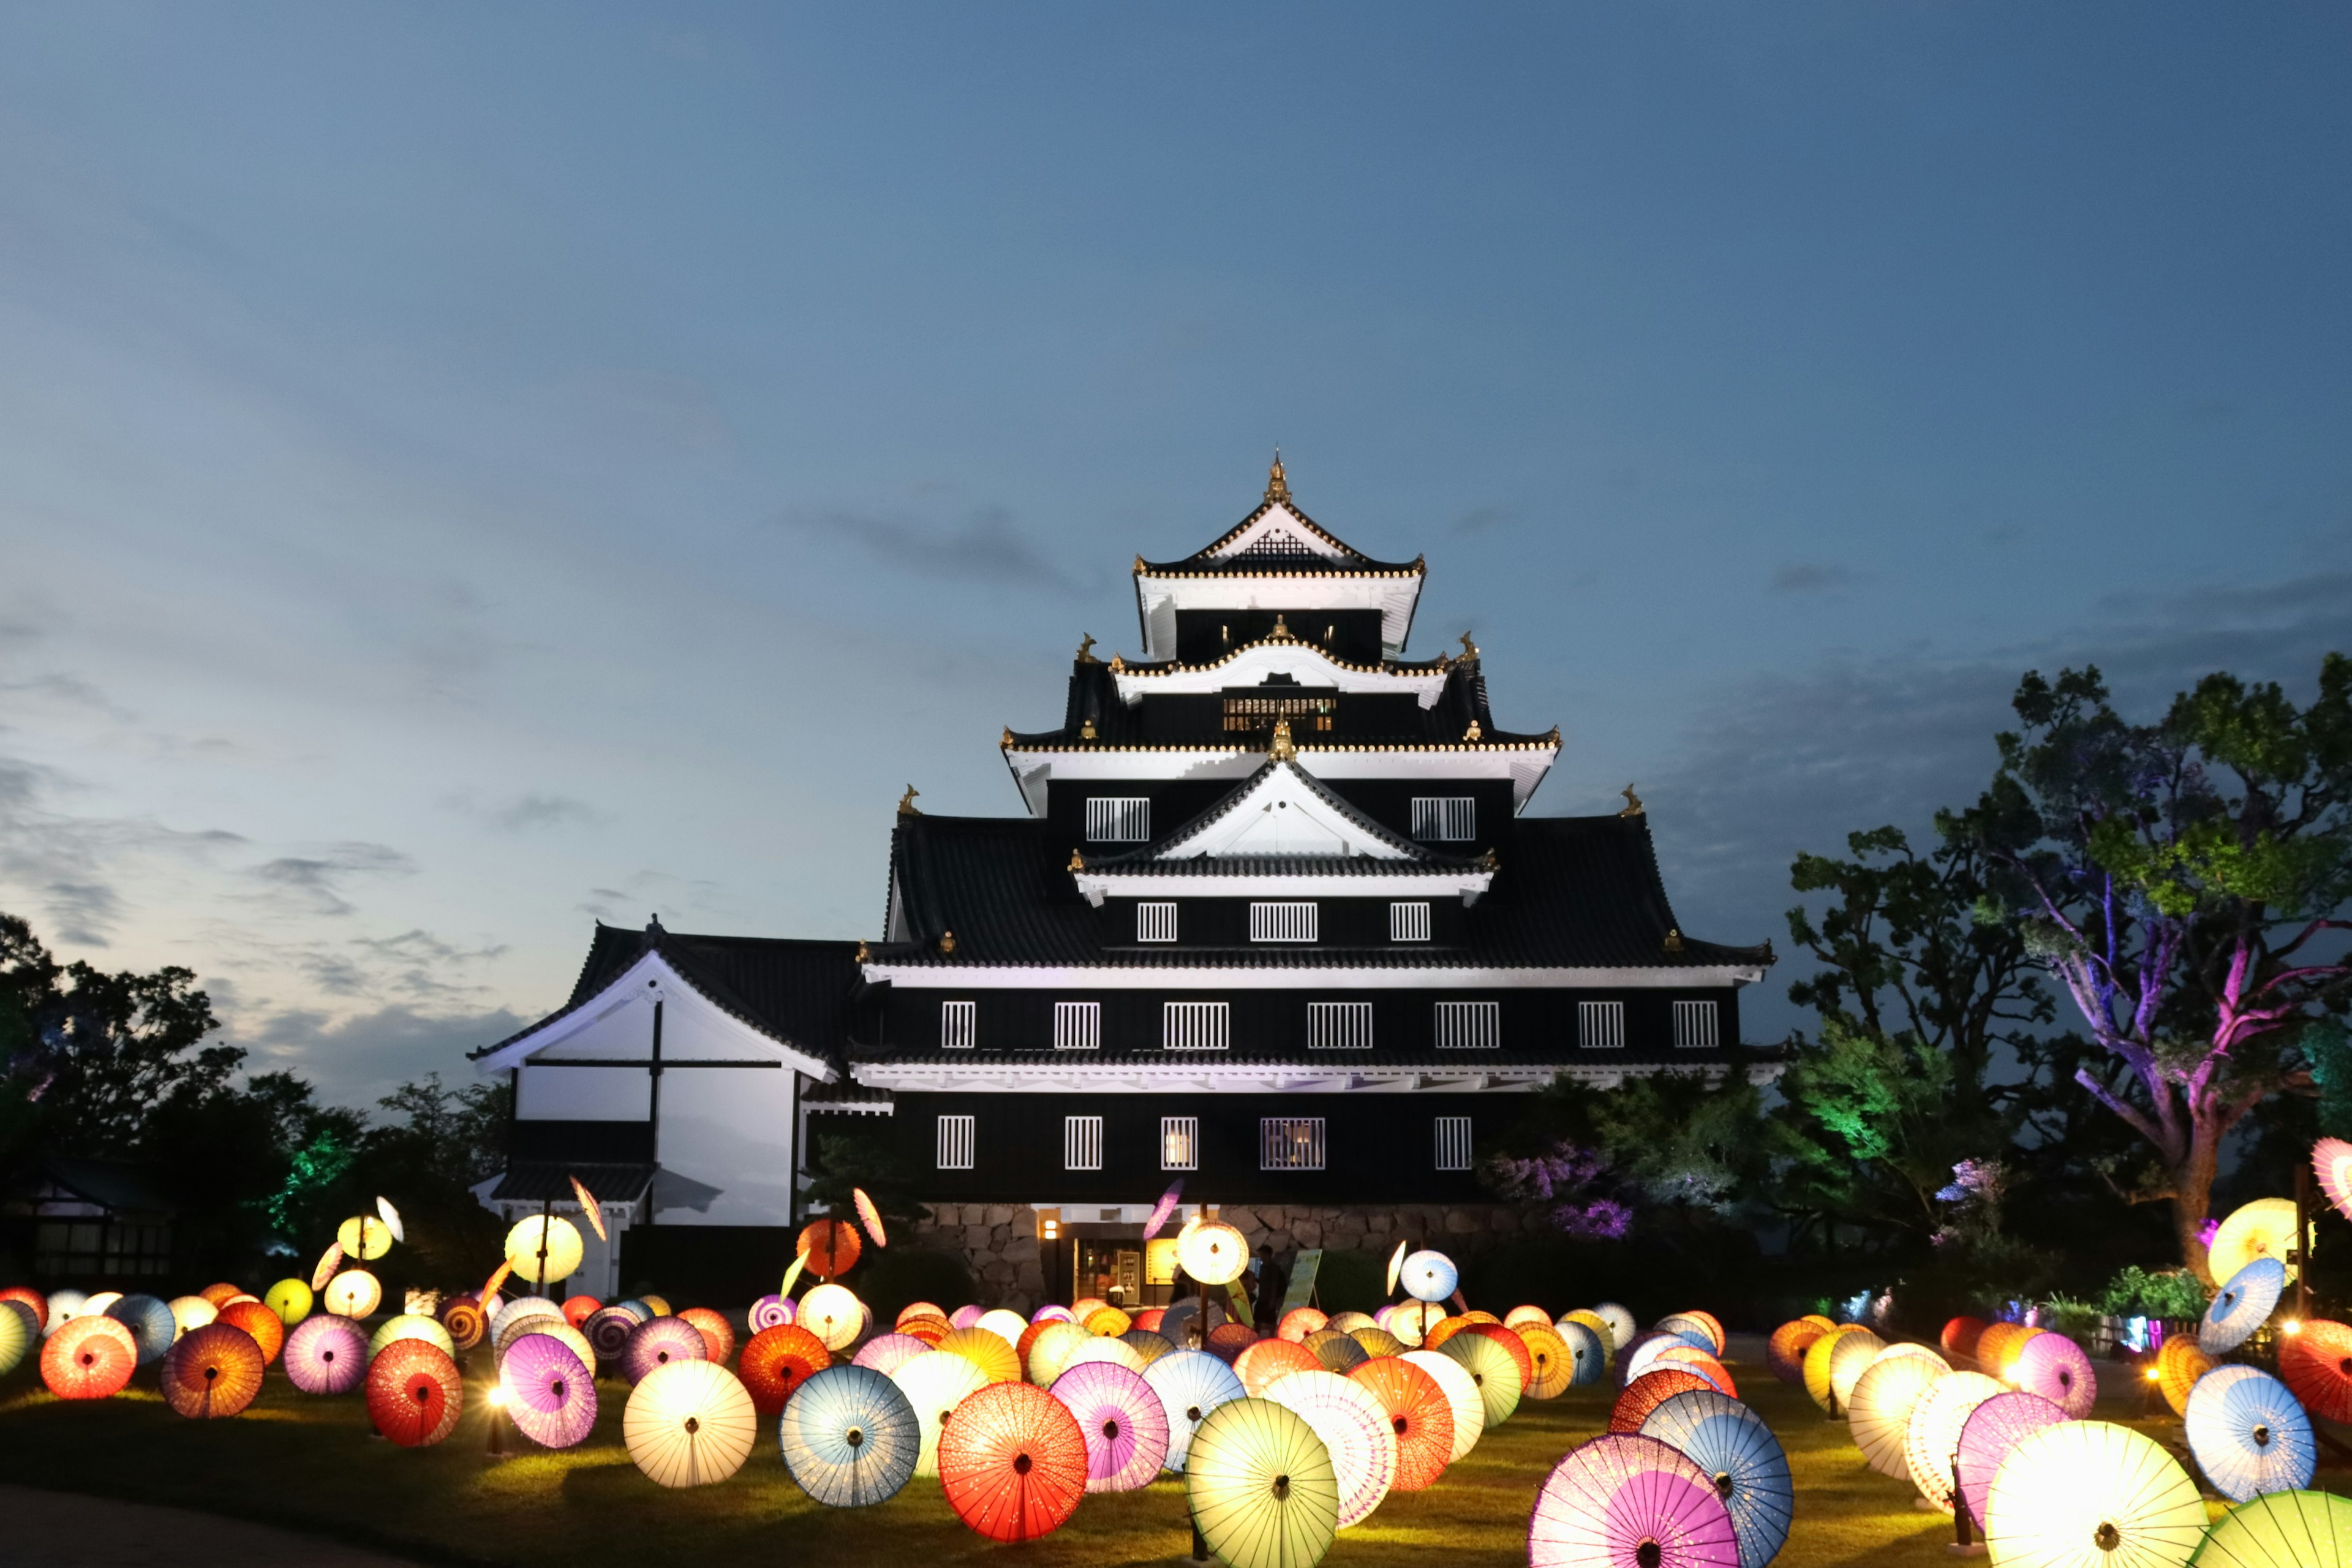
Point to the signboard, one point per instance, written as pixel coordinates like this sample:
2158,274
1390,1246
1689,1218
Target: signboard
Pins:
1302,1278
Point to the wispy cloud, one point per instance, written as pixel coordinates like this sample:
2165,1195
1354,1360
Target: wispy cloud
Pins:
314,884
1480,519
983,545
1810,577
525,813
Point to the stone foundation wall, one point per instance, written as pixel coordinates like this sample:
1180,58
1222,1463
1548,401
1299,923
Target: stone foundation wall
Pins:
998,1242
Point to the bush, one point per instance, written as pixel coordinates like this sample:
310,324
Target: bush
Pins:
2172,1293
902,1275
1351,1281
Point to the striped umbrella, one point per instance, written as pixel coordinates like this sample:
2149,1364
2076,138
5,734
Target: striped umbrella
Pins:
1649,1391
89,1357
1462,1398
1492,1369
2316,1362
1879,1414
1992,1432
413,1393
655,1344
1355,1432
326,1356
689,1423
214,1371
770,1311
1625,1500
849,1437
2248,1433
1190,1384
936,1383
1123,1423
1931,1445
886,1354
2054,1367
1261,1486
1731,1442
779,1359
549,1392
2091,1492
2282,1529
507,1314
152,1327
1012,1462
1784,1353
1418,1414
2242,1304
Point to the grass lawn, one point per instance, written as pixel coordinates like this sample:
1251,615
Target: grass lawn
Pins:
309,1464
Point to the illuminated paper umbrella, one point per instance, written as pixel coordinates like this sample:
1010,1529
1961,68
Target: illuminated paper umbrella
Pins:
1879,1414
1213,1252
659,1343
2332,1159
329,1261
1959,1337
1933,1441
1010,1326
717,1333
1050,1350
1190,1383
190,1312
404,1327
590,1209
2317,1364
463,1318
1012,1462
2054,1367
259,1321
1731,1442
152,1327
688,1424
390,1217
20,1332
1147,1345
2181,1364
1625,1500
353,1293
563,1244
849,1437
1227,1341
2282,1529
521,1307
1986,1437
1620,1318
1123,1423
551,1394
1467,1405
2263,1228
326,1356
291,1300
1524,1314
1117,1353
1702,1332
1158,1219
1553,1369
1512,1343
985,1350
835,1316
1356,1432
413,1393
1300,1321
1690,1358
830,1247
2094,1493
363,1236
869,1217
88,1358
770,1311
886,1354
1649,1391
1492,1369
1588,1360
1261,1486
1334,1350
935,1384
1429,1276
2241,1306
64,1307
2249,1434
214,1371
778,1360
1418,1414
1396,1268
1264,1362
33,1300
608,1330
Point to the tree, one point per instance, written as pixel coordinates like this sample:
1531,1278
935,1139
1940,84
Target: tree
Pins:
2182,881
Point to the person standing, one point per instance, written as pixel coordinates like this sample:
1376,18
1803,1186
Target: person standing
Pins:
1273,1282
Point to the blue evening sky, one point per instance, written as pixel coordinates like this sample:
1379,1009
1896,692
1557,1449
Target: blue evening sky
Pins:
465,470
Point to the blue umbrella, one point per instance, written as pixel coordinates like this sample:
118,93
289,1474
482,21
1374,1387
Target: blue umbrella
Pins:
2241,1307
849,1437
2248,1432
1190,1383
1429,1276
1587,1361
1733,1446
150,1322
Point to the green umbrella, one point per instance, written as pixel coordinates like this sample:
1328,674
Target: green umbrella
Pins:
2281,1529
1492,1368
1261,1485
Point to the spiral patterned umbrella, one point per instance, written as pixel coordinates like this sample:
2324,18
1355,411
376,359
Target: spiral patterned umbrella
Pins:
1418,1414
936,1384
1332,1351
849,1437
2054,1367
1731,1442
1122,1420
20,1330
717,1333
688,1424
1356,1432
2094,1493
1462,1398
777,1361
214,1371
1190,1384
2282,1529
2263,1228
326,1356
2248,1433
465,1321
770,1312
152,1327
89,1357
1649,1391
1012,1462
1429,1276
1588,1360
2244,1303
551,1393
886,1354
1879,1416
836,1316
2317,1364
1989,1435
413,1393
655,1344
1264,1362
1262,1489
608,1330
2178,1366
1932,1443
1625,1500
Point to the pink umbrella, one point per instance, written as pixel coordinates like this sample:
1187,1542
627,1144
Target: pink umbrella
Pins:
1629,1501
1992,1429
659,1342
1123,1421
964,1317
2331,1158
886,1354
770,1312
326,1354
2054,1367
550,1392
1162,1210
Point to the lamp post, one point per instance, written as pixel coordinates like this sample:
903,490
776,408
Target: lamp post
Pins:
497,1421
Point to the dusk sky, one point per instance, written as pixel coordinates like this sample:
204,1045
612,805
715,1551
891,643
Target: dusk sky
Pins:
465,471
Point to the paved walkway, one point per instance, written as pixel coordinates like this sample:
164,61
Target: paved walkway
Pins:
58,1530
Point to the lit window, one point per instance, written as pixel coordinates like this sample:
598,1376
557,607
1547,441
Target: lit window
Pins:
1155,922
1601,1026
1290,1143
1695,1025
959,1024
1444,817
1339,1025
1195,1026
1453,1142
955,1143
1078,1025
1409,922
1281,922
1119,819
1469,1025
1082,1143
1179,1142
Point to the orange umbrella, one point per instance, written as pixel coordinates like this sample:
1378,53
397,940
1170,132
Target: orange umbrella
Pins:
498,1278
214,1371
778,1360
221,1294
269,1333
1419,1413
1785,1351
88,1358
2178,1367
1012,1462
1646,1393
1960,1336
717,1333
413,1393
1262,1362
2316,1364
830,1247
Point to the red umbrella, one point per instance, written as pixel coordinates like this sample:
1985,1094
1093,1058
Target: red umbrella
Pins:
1419,1411
1646,1393
1227,1341
88,1358
578,1309
717,1333
268,1330
830,1247
413,1393
2316,1364
1012,1462
214,1371
778,1360
1960,1336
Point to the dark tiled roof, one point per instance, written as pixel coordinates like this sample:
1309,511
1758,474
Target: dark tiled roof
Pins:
537,1181
116,1185
1261,563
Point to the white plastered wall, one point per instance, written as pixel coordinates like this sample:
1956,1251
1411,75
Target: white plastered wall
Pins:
727,1153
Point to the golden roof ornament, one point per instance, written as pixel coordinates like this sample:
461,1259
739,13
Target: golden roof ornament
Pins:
1086,650
1473,733
906,801
1469,648
1118,665
1006,744
1674,938
1087,730
1281,749
947,942
1077,861
863,956
1140,567
1490,861
1633,803
1277,487
1281,632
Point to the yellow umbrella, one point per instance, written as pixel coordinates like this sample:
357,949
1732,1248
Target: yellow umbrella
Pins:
1598,1325
1462,1397
832,1313
363,1236
353,1293
1817,1364
983,1348
2263,1228
1051,1351
1879,1410
935,1382
793,1275
1118,1352
1261,1485
564,1248
1554,1367
290,1299
689,1423
1849,1359
2090,1494
1007,1326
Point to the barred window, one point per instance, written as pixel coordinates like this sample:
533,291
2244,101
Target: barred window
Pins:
1082,1143
1155,922
1290,1143
959,1024
1078,1025
1339,1025
1409,922
1453,1142
1469,1025
1281,922
1195,1025
1179,1142
1444,817
1119,819
955,1143
1601,1026
1255,715
1695,1025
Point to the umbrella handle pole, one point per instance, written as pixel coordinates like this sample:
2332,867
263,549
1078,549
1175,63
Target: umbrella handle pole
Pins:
1200,1547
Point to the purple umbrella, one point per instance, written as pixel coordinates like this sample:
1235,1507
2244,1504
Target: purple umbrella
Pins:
886,1354
770,1312
659,1342
1124,1422
608,1330
326,1354
1163,1208
1629,1501
549,1392
1992,1429
2054,1367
